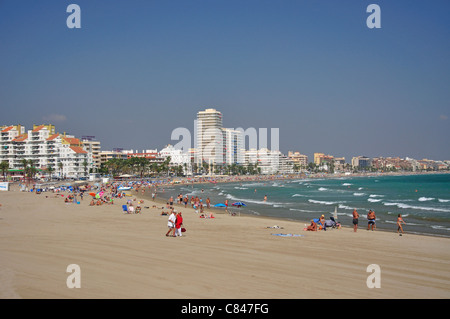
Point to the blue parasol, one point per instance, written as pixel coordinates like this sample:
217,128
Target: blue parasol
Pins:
239,204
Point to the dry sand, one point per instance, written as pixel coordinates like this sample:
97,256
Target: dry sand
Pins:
128,256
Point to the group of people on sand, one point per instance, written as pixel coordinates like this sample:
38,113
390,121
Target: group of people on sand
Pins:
101,201
174,224
371,221
323,224
371,225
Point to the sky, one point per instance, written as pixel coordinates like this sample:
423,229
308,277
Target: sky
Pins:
137,70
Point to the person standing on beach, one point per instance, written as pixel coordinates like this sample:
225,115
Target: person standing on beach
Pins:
371,220
171,223
355,220
178,223
399,224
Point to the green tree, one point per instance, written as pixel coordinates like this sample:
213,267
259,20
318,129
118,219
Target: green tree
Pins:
4,166
85,165
60,166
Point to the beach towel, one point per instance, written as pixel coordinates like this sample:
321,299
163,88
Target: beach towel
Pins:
288,235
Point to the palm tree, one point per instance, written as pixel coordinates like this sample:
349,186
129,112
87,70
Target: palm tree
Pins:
205,167
85,164
50,170
24,163
60,166
4,166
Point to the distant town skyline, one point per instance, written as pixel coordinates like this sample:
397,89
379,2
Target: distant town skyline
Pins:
137,70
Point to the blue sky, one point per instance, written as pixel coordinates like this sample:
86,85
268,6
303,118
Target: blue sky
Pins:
136,70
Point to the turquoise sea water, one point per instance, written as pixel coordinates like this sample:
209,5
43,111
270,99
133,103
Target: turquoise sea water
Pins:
423,200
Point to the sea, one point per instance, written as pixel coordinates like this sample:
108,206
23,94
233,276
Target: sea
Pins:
422,200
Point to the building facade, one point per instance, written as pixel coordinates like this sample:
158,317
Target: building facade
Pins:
56,154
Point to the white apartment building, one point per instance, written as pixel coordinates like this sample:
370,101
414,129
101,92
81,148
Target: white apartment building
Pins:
64,154
215,144
177,157
7,135
233,147
269,162
93,148
209,139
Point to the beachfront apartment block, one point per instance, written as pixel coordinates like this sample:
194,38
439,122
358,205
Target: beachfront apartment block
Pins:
48,151
322,159
93,148
214,144
209,138
298,159
269,162
361,162
233,147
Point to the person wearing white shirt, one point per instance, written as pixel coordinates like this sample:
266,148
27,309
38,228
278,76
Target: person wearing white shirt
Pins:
171,223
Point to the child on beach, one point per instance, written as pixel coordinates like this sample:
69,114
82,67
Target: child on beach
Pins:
399,223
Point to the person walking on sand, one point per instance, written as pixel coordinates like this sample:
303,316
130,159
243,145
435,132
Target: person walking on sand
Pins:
399,224
371,220
355,220
171,223
178,224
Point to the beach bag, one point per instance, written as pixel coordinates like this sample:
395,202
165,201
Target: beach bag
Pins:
183,230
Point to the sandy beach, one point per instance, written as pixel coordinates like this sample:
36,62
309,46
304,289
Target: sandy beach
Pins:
128,255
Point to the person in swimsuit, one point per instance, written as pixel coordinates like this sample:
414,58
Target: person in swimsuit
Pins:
399,223
312,226
371,220
355,220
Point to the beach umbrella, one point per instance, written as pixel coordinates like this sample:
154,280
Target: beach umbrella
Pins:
92,194
239,204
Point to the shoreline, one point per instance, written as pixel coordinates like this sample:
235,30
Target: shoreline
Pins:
383,227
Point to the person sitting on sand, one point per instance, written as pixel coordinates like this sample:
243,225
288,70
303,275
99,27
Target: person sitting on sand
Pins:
312,227
92,203
322,221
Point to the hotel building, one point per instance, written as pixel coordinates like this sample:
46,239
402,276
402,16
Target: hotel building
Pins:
269,162
298,159
215,144
46,149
